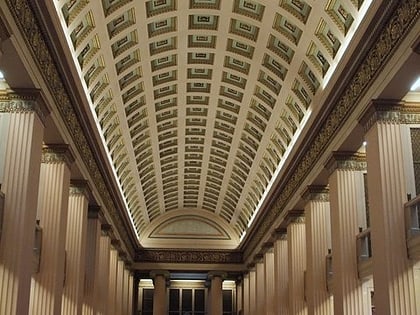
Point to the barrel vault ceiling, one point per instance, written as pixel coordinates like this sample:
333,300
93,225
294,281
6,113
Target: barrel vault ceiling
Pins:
199,102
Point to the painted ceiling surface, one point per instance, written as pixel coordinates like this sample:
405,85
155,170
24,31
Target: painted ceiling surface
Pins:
200,101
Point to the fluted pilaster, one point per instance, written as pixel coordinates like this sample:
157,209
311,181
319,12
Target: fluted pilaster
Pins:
92,278
392,272
318,240
53,203
281,273
22,140
270,298
297,264
75,249
159,295
346,178
104,271
112,285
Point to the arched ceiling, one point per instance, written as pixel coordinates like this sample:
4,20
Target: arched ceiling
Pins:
200,101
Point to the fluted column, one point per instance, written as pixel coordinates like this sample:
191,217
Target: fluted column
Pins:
393,274
112,284
92,278
53,204
281,272
252,292
246,296
260,284
104,270
75,249
239,295
297,263
126,288
318,241
159,294
346,192
270,298
130,293
21,137
120,284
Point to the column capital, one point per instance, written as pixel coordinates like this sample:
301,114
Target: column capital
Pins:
23,100
160,272
390,111
216,274
293,216
79,187
106,229
57,153
345,160
316,193
94,212
280,234
266,247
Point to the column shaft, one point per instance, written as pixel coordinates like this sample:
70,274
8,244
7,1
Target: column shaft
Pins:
240,296
112,285
318,226
53,202
281,275
270,298
297,265
345,194
392,272
104,274
252,292
216,295
20,181
159,294
75,251
120,283
90,303
246,296
260,296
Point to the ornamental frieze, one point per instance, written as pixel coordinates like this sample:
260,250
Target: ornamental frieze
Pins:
184,256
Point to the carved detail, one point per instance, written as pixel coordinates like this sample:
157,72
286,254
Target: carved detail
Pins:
181,256
23,101
57,153
316,193
350,161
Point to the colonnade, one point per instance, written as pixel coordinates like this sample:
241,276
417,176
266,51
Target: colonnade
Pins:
351,232
58,255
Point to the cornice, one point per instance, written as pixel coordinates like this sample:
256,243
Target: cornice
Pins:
32,32
393,30
189,256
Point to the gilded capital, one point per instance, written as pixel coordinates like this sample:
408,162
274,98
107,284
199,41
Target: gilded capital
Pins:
316,193
79,187
57,153
22,101
344,160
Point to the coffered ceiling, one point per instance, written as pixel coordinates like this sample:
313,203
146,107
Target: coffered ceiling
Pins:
199,102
